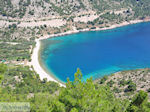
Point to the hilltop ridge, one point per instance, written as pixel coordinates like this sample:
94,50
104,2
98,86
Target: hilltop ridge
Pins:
50,8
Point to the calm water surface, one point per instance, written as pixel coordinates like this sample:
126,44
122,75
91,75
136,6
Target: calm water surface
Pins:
97,53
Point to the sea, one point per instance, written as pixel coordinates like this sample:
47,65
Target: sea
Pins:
97,53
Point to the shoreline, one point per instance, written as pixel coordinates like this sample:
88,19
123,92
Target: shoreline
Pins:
97,29
38,68
35,55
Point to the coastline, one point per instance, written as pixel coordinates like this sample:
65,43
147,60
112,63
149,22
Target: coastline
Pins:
37,67
97,29
35,56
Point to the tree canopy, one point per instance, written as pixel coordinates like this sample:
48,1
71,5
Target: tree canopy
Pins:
78,96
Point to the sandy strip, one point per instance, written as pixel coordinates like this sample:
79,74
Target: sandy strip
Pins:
35,61
37,67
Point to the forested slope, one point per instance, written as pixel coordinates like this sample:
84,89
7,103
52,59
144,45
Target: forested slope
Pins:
19,84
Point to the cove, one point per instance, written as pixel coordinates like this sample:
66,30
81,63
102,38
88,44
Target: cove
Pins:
97,53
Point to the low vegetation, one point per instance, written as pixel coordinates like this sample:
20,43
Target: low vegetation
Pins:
126,91
21,84
125,84
16,43
133,8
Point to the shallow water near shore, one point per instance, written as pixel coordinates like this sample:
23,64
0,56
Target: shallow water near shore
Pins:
97,53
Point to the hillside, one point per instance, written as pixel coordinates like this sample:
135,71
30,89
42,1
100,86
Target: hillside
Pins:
24,21
125,84
44,8
20,84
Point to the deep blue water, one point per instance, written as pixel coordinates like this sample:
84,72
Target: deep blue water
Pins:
97,53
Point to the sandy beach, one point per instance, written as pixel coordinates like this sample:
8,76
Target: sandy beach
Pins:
35,57
37,67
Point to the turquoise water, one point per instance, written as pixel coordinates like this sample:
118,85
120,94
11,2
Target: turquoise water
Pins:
97,53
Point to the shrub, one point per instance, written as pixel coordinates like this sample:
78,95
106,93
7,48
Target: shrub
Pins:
131,87
103,79
110,83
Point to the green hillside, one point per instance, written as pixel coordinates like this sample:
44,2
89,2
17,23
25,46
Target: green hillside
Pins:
19,84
